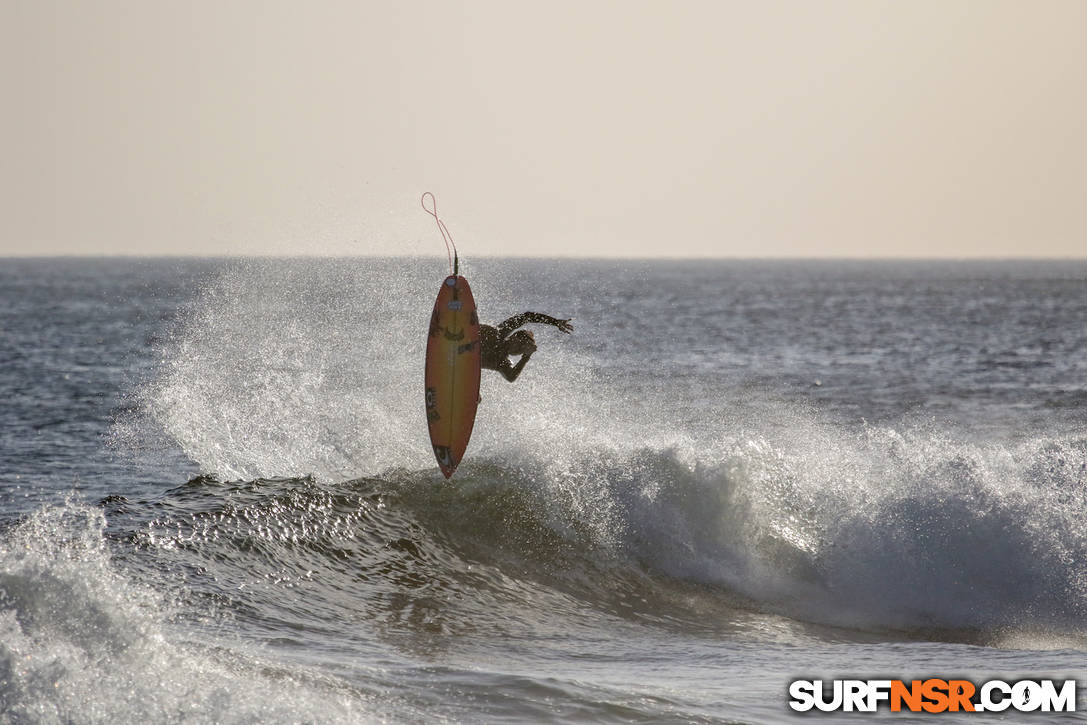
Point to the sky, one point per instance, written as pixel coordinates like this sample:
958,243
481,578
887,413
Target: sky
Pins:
807,128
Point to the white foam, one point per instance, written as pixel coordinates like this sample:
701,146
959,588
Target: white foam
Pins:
81,642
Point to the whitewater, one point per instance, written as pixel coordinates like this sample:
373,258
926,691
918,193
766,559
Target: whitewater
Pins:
218,502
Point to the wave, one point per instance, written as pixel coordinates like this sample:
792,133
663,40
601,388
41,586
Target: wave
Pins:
585,483
874,529
912,532
82,641
882,532
223,590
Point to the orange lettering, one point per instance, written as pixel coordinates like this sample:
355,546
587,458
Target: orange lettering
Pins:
959,694
910,695
934,691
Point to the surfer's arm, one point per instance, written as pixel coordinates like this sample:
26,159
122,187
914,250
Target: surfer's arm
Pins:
506,328
510,372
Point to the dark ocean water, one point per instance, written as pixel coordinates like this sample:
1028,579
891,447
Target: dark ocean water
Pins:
218,501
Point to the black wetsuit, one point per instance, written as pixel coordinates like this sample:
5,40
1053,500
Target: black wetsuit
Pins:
493,342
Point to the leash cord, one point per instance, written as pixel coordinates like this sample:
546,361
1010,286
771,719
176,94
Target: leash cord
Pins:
454,262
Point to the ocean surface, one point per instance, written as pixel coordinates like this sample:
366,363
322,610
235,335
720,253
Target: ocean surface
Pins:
218,502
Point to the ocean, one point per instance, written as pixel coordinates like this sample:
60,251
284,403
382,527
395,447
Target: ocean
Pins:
218,503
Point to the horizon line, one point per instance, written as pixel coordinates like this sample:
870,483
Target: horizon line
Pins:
587,258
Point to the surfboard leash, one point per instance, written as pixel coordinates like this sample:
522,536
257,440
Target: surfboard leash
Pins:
454,262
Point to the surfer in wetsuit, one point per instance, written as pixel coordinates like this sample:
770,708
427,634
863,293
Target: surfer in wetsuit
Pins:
497,344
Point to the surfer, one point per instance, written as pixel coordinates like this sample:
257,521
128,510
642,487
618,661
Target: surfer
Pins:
497,344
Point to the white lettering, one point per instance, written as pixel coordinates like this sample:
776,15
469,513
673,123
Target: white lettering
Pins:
835,700
879,691
803,694
988,704
1064,701
854,695
1026,696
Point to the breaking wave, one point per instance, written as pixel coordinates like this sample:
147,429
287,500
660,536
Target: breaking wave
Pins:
305,381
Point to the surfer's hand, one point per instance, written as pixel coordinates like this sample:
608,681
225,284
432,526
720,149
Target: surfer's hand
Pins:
565,325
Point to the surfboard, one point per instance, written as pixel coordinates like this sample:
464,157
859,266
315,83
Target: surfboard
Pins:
453,360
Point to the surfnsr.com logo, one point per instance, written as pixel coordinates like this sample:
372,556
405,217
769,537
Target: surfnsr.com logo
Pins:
932,695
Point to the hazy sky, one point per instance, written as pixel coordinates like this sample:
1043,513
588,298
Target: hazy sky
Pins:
667,128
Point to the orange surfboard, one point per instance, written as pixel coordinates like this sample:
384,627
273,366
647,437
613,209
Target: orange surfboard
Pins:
453,360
